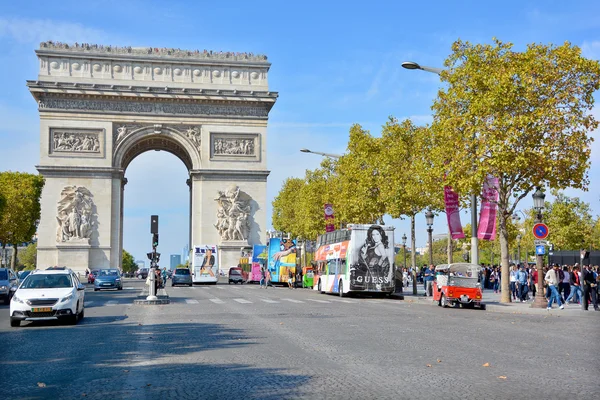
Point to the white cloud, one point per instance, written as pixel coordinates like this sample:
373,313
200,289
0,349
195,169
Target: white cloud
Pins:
25,30
591,49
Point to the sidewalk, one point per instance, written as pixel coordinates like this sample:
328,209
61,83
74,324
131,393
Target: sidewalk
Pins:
492,302
163,297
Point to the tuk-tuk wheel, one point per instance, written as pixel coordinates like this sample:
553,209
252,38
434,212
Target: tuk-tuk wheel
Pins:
443,301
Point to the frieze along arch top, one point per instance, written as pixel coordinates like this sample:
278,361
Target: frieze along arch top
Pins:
102,106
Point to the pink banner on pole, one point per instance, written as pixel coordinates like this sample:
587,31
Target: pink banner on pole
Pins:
489,207
453,213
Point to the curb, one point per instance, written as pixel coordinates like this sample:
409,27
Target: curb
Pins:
163,298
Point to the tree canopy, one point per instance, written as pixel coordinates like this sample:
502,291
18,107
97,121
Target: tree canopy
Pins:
128,264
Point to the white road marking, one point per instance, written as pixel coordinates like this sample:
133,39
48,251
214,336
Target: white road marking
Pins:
88,303
220,287
344,301
293,300
216,301
111,303
191,301
128,288
243,301
269,301
319,301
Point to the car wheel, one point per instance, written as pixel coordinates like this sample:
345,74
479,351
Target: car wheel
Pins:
7,300
15,323
230,282
82,313
120,288
95,290
443,301
190,285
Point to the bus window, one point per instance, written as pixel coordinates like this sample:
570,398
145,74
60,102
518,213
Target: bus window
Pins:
342,267
332,264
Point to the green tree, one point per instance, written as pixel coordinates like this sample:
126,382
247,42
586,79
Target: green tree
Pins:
358,198
28,257
569,222
18,221
285,207
523,117
128,263
406,178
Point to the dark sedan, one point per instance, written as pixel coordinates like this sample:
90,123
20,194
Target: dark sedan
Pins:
181,276
108,279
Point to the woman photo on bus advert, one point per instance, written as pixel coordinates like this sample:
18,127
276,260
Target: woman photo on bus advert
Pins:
373,260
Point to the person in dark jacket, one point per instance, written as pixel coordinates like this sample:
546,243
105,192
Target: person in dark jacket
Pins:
575,283
589,288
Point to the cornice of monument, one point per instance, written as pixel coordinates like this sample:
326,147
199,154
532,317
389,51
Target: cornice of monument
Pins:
88,50
140,91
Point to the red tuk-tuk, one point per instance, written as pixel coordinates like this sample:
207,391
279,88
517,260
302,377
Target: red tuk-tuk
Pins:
457,285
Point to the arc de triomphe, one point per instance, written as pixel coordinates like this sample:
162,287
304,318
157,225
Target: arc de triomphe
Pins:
101,106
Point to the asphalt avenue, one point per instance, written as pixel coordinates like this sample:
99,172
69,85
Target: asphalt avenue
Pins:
233,342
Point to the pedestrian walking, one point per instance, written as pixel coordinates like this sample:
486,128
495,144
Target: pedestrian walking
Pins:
590,285
513,282
575,283
268,279
494,278
551,279
290,279
533,281
565,284
263,278
428,277
522,282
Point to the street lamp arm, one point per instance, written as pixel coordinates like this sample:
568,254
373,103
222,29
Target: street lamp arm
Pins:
414,65
330,155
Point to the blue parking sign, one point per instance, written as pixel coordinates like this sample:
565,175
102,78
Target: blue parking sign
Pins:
540,250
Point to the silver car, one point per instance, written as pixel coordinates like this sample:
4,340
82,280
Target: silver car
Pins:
181,276
8,284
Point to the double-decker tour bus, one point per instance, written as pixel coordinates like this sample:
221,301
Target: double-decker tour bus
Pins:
259,262
281,259
205,264
359,258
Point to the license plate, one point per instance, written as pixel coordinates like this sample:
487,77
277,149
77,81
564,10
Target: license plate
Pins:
41,309
106,284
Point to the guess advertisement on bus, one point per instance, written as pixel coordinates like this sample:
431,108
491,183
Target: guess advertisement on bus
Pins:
205,264
372,258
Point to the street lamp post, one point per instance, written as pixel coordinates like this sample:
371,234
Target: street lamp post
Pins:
474,240
330,155
519,249
538,205
429,218
404,248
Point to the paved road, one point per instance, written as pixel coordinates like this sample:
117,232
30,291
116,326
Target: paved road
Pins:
227,341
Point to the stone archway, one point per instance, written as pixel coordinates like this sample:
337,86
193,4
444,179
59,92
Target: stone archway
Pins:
100,107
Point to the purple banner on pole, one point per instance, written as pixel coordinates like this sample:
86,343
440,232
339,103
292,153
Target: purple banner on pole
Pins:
489,207
453,213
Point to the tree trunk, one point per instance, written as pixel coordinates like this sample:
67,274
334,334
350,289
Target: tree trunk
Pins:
2,255
13,258
504,253
449,250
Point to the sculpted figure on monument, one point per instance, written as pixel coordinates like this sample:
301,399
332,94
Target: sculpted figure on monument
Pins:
74,214
232,214
75,142
233,147
193,135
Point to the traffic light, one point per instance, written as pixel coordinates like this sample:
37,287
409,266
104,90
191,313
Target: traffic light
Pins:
154,240
150,256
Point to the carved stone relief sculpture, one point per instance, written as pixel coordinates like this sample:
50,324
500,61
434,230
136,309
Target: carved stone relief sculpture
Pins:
72,141
193,134
232,146
233,212
74,215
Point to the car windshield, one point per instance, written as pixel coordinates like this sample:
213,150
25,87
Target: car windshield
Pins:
182,272
47,281
234,272
3,276
109,272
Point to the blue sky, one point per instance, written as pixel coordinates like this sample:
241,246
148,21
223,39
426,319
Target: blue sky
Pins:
334,63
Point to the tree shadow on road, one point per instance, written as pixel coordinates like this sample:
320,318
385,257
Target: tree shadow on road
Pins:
130,360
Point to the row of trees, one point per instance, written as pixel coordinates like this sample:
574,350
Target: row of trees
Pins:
522,117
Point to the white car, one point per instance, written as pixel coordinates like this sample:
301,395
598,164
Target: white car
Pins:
48,295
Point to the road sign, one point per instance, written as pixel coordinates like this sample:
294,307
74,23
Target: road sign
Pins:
539,242
540,231
540,250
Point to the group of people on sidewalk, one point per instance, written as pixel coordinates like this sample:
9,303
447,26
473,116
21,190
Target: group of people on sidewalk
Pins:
566,284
